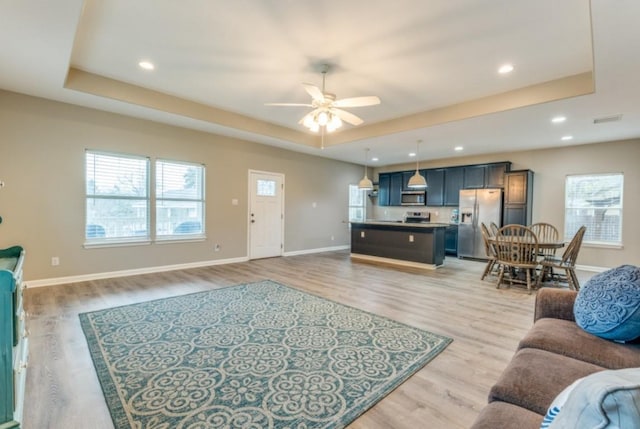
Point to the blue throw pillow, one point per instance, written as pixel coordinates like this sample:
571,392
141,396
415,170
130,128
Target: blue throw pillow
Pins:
608,305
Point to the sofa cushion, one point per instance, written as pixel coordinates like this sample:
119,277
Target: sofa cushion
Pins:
606,399
535,377
608,305
504,415
568,339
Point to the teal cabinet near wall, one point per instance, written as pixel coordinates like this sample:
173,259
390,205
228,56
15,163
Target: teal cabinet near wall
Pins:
13,338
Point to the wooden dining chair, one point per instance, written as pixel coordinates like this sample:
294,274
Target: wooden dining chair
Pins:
490,250
494,228
516,251
567,262
546,233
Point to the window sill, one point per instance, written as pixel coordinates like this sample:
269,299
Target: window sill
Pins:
180,239
103,244
603,245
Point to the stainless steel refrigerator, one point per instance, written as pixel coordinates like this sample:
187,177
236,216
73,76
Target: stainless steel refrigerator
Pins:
477,206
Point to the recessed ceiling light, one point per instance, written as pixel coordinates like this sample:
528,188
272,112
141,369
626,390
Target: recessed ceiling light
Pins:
458,148
412,154
559,119
146,65
374,159
566,138
506,68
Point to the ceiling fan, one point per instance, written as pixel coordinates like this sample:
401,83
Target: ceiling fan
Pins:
328,111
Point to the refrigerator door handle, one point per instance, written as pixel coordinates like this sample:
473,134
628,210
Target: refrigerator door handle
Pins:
475,214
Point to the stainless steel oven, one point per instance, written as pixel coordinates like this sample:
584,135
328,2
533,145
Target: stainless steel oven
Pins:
413,198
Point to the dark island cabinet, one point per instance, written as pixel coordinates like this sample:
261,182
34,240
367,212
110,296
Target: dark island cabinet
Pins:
435,186
451,240
518,197
453,182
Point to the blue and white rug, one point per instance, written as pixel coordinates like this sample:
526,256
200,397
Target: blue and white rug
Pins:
260,355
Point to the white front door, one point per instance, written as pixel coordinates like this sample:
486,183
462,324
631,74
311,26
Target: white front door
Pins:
266,214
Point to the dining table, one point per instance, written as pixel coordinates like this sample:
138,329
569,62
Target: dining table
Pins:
542,244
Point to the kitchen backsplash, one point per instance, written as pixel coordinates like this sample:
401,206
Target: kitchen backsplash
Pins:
438,214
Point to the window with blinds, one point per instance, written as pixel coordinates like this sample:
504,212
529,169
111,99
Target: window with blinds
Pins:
595,201
179,199
117,198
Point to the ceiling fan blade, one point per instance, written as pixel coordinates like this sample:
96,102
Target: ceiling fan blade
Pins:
370,100
288,104
314,92
347,117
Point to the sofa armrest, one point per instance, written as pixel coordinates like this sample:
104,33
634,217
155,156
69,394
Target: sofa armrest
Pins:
555,303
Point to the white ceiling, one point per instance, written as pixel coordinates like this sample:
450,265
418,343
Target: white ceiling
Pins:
418,56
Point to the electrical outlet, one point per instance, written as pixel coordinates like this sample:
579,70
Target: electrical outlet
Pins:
332,238
55,261
216,248
410,238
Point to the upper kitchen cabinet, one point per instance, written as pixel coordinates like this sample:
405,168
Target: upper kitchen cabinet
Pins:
453,182
395,188
474,176
518,197
435,186
384,181
494,175
485,175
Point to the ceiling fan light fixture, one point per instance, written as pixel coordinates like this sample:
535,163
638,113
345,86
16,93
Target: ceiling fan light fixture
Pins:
323,118
308,121
336,121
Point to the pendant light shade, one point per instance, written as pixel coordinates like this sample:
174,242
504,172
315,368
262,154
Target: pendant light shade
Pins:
365,183
417,181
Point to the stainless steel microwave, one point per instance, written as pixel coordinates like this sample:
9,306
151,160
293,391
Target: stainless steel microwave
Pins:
413,198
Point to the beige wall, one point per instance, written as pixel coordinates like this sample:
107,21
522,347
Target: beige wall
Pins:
551,166
42,146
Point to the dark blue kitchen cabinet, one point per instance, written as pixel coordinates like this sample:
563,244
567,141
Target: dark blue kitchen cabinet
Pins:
435,186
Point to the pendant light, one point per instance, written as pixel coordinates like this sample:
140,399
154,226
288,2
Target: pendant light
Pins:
417,181
365,183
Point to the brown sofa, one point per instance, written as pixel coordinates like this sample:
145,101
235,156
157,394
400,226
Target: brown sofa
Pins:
554,353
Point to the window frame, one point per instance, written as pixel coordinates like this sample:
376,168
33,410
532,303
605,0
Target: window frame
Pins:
199,236
588,241
123,240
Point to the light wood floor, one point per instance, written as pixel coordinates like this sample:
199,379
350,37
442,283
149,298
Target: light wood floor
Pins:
486,325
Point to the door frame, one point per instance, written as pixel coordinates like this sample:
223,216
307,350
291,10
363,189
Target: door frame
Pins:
249,195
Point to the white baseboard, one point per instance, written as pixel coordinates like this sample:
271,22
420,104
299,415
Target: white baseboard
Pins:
149,270
319,250
133,272
591,268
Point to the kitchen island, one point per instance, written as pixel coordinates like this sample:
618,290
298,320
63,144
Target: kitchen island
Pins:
418,245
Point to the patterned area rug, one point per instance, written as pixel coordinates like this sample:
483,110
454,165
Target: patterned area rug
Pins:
258,355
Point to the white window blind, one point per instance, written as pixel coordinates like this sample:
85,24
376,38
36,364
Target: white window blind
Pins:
179,199
357,206
595,201
117,197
